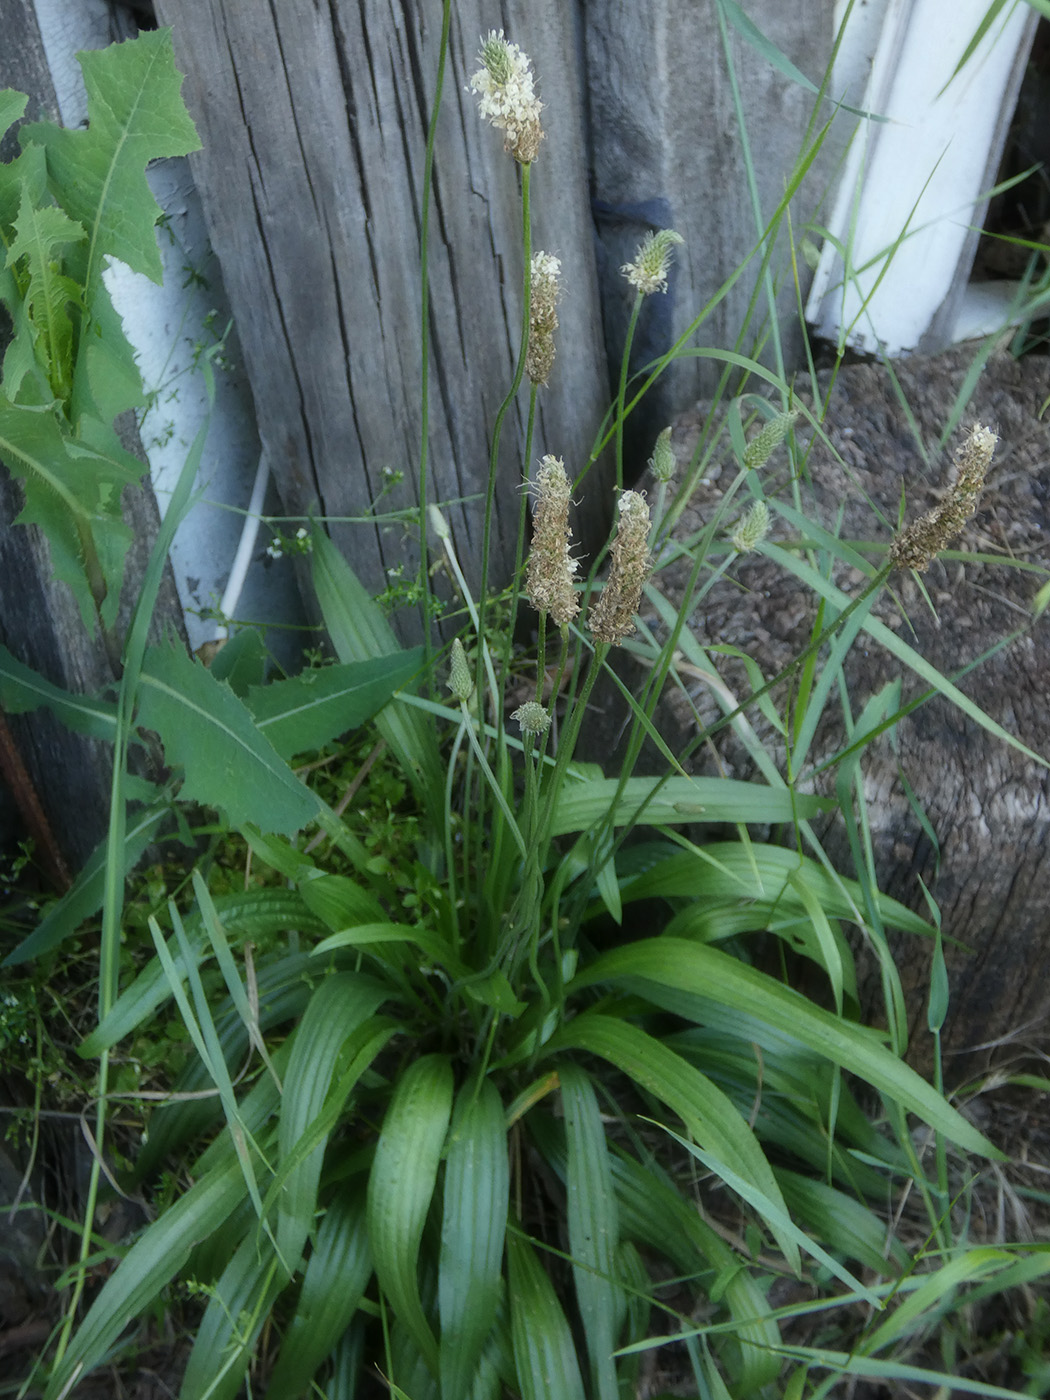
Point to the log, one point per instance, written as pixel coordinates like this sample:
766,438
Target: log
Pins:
988,804
313,121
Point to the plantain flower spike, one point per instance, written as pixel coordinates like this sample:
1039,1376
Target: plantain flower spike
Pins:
662,462
751,529
460,681
652,262
543,317
532,717
761,447
612,617
918,544
548,582
506,98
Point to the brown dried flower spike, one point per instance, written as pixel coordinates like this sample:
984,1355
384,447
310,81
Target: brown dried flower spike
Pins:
548,584
612,617
918,544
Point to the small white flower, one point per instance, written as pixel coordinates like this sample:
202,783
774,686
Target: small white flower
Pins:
275,548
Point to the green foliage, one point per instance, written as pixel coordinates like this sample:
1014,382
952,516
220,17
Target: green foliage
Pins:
470,1070
67,202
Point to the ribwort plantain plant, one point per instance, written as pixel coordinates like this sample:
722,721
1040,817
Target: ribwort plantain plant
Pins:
495,1117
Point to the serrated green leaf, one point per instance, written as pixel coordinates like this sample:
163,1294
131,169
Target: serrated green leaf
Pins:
709,1115
22,689
708,972
306,712
210,733
135,115
74,495
594,1227
474,1223
40,235
401,1186
334,1281
12,105
241,662
544,1351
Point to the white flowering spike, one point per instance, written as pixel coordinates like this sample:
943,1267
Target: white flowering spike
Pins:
549,580
506,96
543,317
652,262
612,617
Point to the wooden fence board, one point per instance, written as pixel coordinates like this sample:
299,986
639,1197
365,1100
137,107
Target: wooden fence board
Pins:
313,121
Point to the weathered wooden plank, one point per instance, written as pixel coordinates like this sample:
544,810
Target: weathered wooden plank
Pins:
313,120
668,153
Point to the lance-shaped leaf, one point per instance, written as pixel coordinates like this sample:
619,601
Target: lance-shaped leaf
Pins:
22,689
211,735
306,712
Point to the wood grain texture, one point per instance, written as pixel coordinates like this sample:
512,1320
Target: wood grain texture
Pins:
313,119
668,152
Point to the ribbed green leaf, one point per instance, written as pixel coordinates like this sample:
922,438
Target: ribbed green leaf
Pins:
237,1310
474,1223
843,1223
674,800
152,1262
340,1006
708,1114
252,915
544,1353
695,967
654,1214
336,1276
401,1186
727,870
594,1228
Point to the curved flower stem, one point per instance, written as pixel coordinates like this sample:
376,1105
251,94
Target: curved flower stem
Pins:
424,330
497,428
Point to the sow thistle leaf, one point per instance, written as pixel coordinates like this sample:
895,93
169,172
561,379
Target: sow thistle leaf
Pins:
211,735
74,494
135,114
40,235
22,689
316,706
